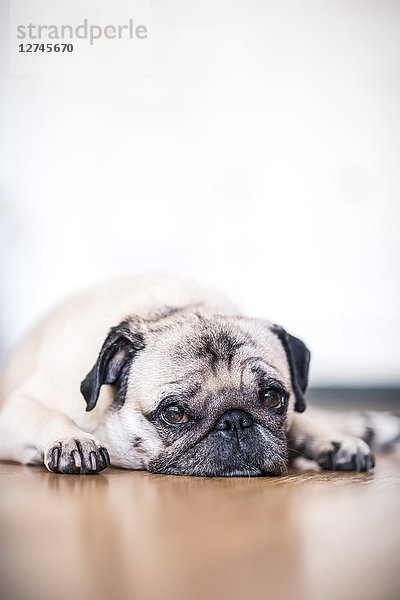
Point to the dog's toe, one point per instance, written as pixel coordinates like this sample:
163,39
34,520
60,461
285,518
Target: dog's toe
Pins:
350,454
77,456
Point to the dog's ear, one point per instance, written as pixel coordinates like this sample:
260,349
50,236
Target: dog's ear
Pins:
120,346
298,357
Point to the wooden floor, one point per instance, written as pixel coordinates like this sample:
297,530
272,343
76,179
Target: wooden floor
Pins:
311,535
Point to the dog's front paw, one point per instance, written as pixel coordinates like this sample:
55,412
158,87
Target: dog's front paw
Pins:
349,454
79,455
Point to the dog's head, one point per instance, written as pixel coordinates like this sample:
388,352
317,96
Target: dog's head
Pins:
211,394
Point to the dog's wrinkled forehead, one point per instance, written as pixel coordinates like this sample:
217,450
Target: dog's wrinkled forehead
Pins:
207,352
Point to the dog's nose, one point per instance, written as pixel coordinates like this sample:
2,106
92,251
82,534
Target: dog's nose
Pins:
234,420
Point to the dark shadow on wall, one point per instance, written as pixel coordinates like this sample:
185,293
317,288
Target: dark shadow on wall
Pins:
342,398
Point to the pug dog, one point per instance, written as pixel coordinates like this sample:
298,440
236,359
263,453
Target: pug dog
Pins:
175,381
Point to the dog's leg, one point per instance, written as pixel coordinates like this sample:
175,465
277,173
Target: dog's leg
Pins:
380,429
30,432
328,447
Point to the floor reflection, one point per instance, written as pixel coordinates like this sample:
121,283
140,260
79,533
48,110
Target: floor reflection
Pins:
136,535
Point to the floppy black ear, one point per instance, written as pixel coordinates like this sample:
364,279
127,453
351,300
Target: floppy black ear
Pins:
118,349
298,357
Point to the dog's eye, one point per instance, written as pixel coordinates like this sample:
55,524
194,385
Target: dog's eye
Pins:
272,398
174,414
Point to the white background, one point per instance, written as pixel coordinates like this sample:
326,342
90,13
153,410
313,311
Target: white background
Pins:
259,156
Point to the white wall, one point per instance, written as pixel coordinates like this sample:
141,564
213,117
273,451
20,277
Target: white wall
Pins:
260,156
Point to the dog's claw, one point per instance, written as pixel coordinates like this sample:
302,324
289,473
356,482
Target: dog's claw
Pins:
55,453
77,456
326,460
93,461
106,457
370,462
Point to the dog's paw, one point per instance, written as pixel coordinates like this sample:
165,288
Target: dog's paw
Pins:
74,456
349,454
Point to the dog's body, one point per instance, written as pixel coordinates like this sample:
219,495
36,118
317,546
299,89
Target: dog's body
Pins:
194,388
